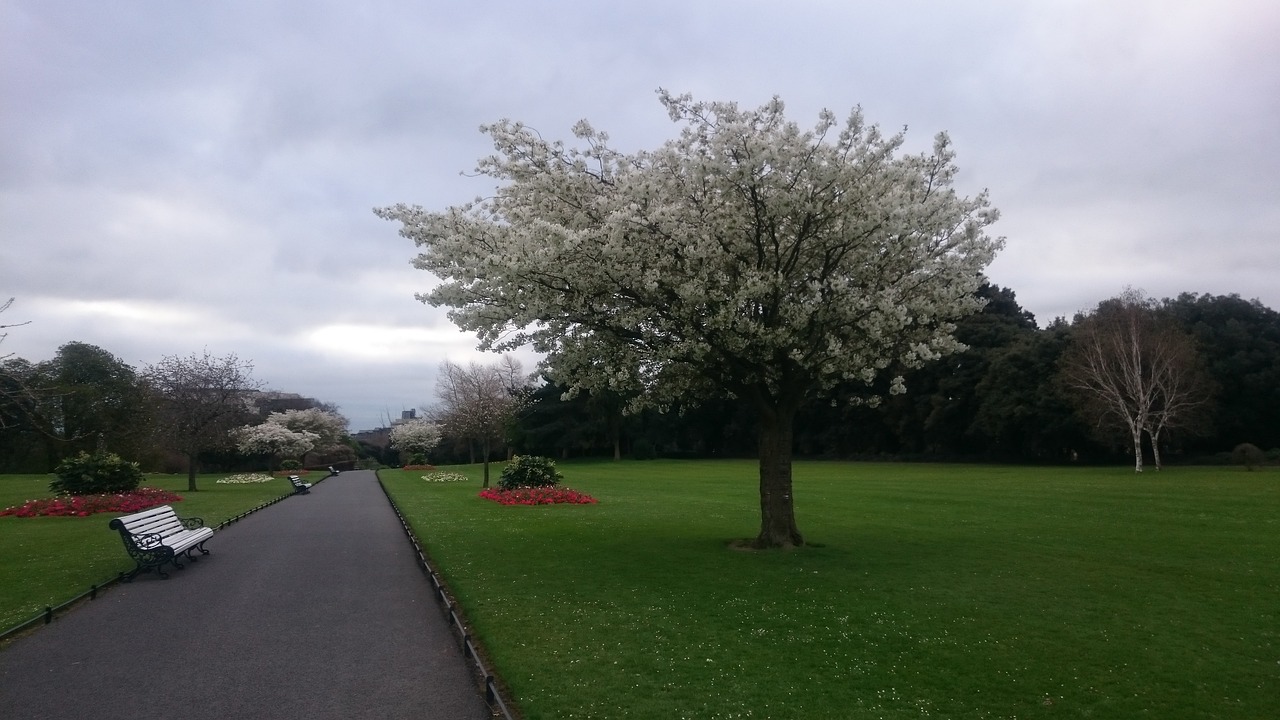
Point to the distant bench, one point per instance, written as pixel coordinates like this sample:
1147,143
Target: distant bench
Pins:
157,537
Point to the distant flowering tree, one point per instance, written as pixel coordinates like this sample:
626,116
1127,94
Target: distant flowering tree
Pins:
747,258
293,433
328,427
275,439
416,437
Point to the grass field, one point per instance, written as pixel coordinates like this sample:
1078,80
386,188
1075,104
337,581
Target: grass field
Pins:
937,591
49,560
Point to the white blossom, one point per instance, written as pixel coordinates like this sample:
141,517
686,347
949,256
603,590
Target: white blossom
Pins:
415,436
275,439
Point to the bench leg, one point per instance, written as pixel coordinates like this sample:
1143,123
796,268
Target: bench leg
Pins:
194,548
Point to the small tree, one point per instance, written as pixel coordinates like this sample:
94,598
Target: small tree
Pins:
199,400
416,437
478,402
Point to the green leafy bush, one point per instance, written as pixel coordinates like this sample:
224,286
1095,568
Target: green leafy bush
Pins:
529,471
96,474
290,465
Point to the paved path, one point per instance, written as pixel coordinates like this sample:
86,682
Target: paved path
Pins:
312,608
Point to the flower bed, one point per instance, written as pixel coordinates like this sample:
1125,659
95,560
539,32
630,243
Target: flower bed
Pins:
245,479
287,473
445,477
428,468
537,496
85,505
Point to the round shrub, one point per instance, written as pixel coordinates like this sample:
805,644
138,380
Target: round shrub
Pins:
96,474
1248,455
290,465
529,471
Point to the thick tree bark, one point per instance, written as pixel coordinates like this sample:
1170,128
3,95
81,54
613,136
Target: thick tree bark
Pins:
486,462
777,507
1155,446
191,473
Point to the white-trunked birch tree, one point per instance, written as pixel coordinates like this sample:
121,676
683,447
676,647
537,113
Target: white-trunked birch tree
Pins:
1134,368
746,258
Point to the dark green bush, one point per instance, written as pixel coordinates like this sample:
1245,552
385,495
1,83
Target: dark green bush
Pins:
87,474
529,471
290,465
643,449
1249,455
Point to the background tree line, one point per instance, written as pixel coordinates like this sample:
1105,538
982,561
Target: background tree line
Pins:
178,415
1007,398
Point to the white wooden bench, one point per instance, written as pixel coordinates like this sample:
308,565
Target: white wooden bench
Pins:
299,487
157,537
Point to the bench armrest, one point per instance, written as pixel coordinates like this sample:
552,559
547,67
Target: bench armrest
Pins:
148,541
192,523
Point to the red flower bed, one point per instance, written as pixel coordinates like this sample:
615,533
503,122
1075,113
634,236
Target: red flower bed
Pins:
537,496
428,468
85,505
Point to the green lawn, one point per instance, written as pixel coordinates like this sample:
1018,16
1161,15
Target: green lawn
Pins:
49,560
938,591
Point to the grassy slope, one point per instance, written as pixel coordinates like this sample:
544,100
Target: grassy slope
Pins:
948,591
46,561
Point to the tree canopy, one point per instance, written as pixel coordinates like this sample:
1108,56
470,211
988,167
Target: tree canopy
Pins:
200,399
746,258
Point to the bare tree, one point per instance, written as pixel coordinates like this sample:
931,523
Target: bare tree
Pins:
5,306
477,402
21,388
1135,369
200,400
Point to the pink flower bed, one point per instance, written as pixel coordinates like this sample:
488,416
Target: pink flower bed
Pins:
537,496
85,505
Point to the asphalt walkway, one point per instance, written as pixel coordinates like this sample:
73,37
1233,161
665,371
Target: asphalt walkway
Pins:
312,608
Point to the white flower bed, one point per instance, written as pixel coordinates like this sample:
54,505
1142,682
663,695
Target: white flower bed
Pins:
245,479
445,477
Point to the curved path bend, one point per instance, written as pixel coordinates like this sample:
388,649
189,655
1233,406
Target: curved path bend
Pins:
311,608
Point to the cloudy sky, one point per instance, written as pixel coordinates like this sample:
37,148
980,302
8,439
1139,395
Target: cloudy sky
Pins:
179,175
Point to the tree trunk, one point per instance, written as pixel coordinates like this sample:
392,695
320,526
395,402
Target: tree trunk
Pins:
191,473
777,507
1137,446
1155,446
485,446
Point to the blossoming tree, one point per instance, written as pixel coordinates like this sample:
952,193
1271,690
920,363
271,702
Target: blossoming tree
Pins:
293,433
275,439
747,258
416,437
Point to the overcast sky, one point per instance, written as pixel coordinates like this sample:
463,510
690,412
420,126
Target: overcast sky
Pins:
179,175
